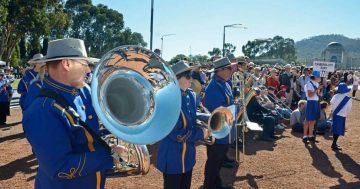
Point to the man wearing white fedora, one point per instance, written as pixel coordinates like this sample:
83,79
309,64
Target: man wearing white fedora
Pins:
60,124
29,75
218,93
35,85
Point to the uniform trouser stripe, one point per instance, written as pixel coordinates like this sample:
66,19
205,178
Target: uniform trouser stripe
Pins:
98,180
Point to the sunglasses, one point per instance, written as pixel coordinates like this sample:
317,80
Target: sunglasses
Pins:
85,63
187,75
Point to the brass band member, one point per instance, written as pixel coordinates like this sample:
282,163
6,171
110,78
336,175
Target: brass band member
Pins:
218,93
176,155
67,152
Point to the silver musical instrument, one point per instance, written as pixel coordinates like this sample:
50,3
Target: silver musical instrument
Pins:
133,159
244,123
133,95
219,122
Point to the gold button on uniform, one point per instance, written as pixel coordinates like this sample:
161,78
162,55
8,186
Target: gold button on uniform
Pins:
90,117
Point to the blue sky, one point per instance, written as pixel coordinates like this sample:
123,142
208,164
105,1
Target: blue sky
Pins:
198,24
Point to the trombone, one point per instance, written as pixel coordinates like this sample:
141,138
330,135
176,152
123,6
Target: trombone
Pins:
243,102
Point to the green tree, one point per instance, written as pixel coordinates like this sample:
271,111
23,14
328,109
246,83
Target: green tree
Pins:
22,48
101,28
215,52
34,45
22,17
20,20
59,19
15,57
229,48
44,45
200,59
277,47
178,58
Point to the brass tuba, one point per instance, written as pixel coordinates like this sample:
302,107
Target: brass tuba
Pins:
133,95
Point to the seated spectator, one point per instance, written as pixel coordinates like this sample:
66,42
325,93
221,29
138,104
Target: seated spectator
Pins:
326,92
259,114
280,106
273,80
323,124
298,117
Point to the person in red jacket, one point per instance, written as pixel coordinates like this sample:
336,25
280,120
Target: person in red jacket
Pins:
273,80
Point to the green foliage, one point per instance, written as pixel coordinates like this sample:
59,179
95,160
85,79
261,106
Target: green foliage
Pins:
178,58
59,19
229,48
22,48
26,18
31,24
311,48
215,52
199,59
101,28
277,47
34,46
15,57
44,45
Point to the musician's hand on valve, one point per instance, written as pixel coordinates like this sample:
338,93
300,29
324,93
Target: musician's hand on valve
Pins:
273,112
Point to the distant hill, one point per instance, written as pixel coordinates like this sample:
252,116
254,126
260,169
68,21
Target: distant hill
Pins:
312,47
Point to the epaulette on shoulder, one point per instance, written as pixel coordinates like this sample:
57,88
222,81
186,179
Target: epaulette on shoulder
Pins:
49,104
61,110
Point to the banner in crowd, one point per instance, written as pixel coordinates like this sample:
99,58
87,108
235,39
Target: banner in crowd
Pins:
324,67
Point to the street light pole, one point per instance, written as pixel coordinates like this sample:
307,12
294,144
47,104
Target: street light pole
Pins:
230,26
162,42
151,24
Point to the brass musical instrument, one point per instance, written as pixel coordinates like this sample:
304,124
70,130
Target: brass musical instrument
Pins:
218,123
133,95
133,159
243,101
196,86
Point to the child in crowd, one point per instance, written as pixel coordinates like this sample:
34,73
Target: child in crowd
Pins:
298,117
323,124
312,91
341,106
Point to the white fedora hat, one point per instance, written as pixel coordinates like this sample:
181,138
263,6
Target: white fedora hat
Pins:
222,63
35,59
69,48
181,67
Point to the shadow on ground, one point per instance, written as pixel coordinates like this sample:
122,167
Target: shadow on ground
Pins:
23,165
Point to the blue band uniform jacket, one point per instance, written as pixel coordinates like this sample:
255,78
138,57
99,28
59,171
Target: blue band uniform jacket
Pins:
218,93
24,84
67,154
6,91
175,157
31,95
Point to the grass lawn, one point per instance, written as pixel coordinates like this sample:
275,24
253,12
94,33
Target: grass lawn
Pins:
15,84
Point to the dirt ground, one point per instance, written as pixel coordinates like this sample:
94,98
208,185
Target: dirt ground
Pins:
285,163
